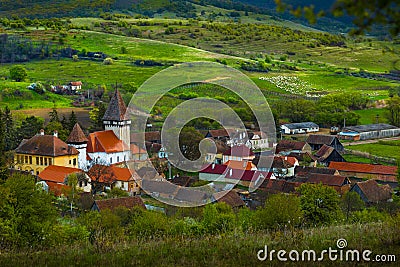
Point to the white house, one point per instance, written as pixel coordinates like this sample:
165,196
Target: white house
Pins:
299,128
258,140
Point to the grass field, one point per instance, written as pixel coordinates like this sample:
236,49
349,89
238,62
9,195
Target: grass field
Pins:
353,158
387,149
369,116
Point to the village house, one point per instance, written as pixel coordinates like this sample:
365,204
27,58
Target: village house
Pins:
115,203
59,175
108,177
286,147
369,131
75,86
283,166
35,154
299,128
326,154
238,153
305,171
371,193
366,171
316,141
340,183
216,157
258,140
231,198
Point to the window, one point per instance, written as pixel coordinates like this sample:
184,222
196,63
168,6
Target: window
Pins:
37,160
50,161
41,160
69,162
45,161
74,162
80,183
110,160
117,158
85,183
30,159
26,159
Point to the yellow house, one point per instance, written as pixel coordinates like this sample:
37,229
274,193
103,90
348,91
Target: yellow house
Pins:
35,154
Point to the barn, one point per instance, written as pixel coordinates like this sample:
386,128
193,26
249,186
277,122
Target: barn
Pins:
299,128
370,131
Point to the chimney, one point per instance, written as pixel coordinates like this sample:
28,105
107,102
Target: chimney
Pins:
213,166
41,132
55,133
230,172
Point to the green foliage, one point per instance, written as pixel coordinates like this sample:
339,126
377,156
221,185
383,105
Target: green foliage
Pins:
108,61
26,213
54,126
218,218
351,202
280,212
369,215
117,192
148,224
393,108
320,204
18,73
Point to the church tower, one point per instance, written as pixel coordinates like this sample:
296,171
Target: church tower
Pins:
78,140
114,119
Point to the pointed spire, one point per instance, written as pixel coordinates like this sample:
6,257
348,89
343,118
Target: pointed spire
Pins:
116,109
76,135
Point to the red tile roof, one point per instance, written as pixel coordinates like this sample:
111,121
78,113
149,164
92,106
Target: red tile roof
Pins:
137,150
363,168
57,174
46,145
242,165
154,136
373,192
76,135
218,133
78,83
229,197
110,174
113,203
285,145
105,141
214,168
245,175
326,179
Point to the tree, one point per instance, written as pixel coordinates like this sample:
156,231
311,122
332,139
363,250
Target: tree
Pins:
393,108
96,116
3,165
319,203
117,192
18,73
29,127
365,13
53,126
280,211
10,133
53,115
189,140
351,202
72,120
100,176
26,212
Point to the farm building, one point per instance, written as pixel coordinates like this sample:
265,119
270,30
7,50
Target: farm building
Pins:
369,131
316,141
366,171
299,128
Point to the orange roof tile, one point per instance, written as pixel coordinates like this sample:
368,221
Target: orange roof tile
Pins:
241,165
110,174
363,168
56,188
57,174
137,150
105,141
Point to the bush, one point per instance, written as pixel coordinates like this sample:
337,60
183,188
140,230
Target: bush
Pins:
18,73
280,211
108,61
218,218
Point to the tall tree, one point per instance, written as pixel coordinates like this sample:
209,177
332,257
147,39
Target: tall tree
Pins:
393,108
3,165
72,120
29,127
53,115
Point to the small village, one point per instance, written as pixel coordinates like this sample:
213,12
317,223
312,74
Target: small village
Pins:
115,158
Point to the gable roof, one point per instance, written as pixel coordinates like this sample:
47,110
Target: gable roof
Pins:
164,187
45,145
190,195
57,174
363,168
110,174
105,141
285,145
242,165
77,135
320,139
373,192
305,171
301,125
257,135
369,128
326,179
283,162
152,136
229,197
324,152
137,150
246,175
116,108
218,133
214,168
113,203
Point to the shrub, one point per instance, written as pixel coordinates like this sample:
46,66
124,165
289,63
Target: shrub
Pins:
18,73
108,61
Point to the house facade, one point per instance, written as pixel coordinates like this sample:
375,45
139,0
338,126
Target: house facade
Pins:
35,154
299,128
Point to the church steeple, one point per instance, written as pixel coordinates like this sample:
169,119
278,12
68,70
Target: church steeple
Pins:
115,118
78,140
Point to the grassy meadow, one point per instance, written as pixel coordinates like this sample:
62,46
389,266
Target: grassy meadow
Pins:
387,149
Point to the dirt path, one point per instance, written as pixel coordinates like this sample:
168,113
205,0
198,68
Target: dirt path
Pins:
370,141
